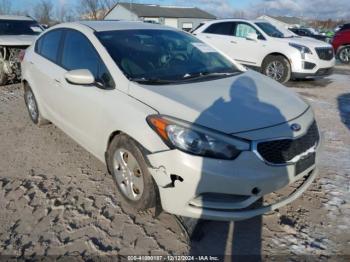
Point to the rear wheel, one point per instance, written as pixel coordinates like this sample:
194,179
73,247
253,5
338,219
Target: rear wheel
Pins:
277,67
130,172
344,54
32,107
3,76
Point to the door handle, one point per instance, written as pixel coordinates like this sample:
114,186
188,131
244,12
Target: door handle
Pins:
233,42
57,81
208,37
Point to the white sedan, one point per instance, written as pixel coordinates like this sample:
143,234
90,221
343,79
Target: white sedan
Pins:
175,121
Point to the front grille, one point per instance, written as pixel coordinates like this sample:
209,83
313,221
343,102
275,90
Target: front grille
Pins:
284,150
325,53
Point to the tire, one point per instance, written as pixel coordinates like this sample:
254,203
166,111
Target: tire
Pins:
135,185
344,54
277,67
32,107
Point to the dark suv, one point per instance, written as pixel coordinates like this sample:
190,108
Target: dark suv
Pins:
308,33
341,44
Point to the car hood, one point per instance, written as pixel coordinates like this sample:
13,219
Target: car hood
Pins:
244,102
306,41
17,40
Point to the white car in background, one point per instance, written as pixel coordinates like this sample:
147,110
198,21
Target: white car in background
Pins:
176,122
16,34
260,45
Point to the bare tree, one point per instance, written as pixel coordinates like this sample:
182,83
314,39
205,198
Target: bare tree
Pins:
5,7
43,11
95,9
66,13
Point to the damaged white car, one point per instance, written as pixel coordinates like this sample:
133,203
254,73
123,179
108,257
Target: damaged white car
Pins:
16,34
176,122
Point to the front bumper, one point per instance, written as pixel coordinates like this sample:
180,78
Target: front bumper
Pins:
234,186
229,189
310,66
319,73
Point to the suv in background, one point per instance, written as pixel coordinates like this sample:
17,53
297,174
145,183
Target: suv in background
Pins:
16,34
260,45
306,32
341,44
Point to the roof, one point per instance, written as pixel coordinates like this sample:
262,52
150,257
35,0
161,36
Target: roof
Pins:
291,20
144,10
110,25
16,17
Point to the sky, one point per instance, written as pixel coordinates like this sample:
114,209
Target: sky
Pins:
320,9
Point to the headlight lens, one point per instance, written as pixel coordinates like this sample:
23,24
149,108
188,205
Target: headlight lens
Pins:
191,140
303,49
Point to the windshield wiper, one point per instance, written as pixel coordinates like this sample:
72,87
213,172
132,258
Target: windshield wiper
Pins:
208,74
152,81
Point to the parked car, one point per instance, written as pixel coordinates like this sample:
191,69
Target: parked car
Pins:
308,33
175,121
341,44
260,45
16,34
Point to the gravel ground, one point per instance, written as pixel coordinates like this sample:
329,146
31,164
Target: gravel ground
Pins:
56,199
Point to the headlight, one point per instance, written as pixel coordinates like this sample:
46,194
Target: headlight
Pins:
196,140
303,49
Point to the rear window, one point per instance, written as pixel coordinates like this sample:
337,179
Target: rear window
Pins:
19,27
226,28
48,45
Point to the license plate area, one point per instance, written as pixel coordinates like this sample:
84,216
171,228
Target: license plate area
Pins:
305,163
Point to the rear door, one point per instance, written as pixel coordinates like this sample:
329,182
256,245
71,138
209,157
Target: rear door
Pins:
44,68
220,36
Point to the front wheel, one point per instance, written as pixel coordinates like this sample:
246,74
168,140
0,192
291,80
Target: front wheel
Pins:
277,68
344,54
128,167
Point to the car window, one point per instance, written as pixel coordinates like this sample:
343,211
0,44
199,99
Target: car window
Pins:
79,53
48,45
225,28
243,29
345,27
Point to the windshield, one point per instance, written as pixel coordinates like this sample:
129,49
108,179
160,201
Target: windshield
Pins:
19,27
270,30
164,56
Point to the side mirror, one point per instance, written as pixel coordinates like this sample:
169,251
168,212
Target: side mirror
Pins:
252,36
80,77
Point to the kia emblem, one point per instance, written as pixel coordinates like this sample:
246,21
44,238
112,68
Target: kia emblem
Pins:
295,127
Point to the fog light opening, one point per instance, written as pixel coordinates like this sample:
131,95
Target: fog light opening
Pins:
256,191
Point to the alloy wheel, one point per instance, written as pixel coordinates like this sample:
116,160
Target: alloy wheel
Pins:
344,55
31,105
128,174
275,70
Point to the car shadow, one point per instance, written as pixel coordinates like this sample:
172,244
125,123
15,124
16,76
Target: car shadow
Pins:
310,83
344,108
239,240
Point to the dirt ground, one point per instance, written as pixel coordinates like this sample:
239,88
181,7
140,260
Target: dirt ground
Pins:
56,199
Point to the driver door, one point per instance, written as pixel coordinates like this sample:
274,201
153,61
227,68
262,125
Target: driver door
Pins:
82,107
248,51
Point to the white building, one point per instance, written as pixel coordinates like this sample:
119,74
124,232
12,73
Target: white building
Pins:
284,21
185,18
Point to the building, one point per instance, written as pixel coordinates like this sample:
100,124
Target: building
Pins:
284,21
185,18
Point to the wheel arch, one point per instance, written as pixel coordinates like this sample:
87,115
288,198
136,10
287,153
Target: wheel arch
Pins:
341,46
275,54
116,133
